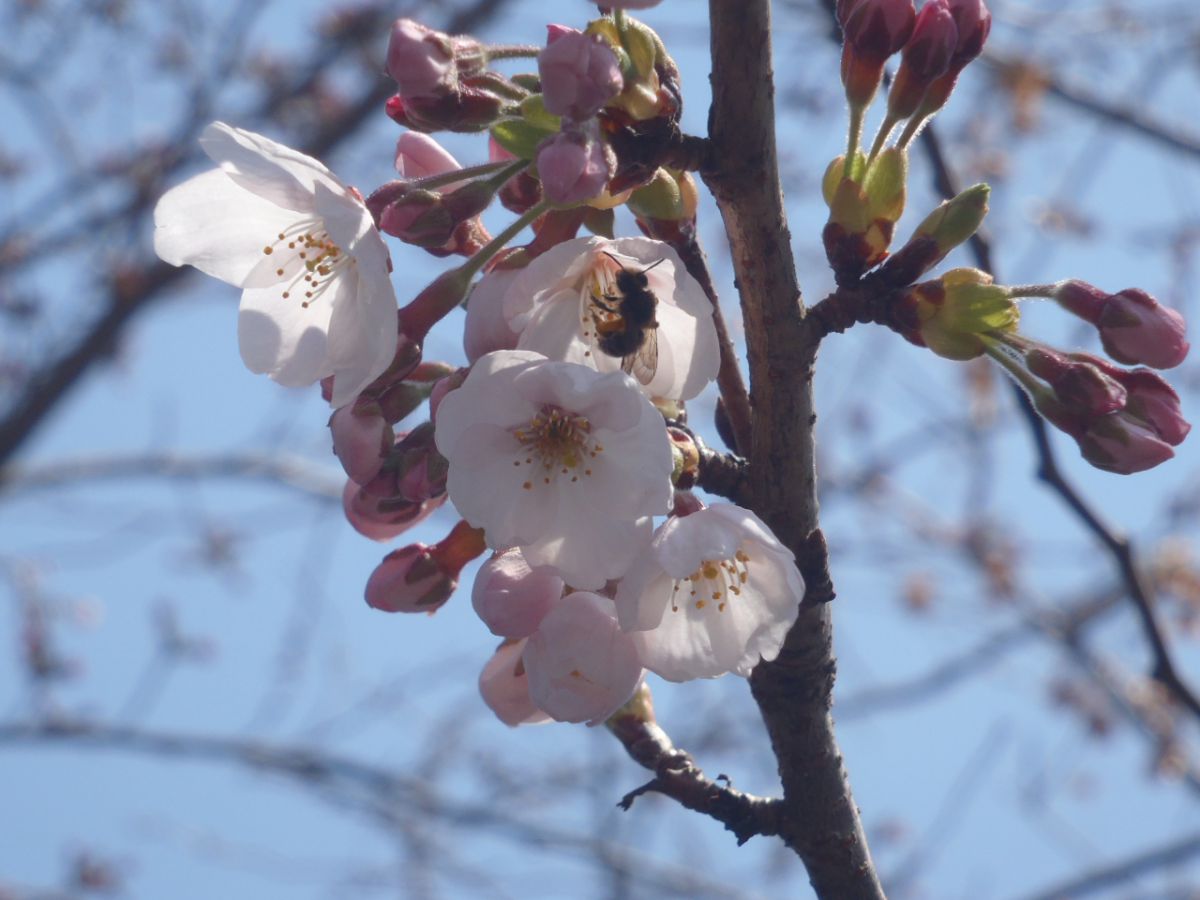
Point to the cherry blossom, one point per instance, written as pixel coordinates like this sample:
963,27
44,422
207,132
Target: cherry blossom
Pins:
511,597
316,296
714,592
555,458
558,304
504,686
582,667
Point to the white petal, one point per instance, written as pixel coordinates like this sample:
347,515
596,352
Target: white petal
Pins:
362,332
221,229
282,338
274,172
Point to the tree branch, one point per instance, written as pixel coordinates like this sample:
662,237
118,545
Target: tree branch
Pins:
677,776
819,818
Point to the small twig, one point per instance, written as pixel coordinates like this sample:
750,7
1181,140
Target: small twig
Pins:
677,776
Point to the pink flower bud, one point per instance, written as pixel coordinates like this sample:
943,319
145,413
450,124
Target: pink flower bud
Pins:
415,470
1152,401
473,106
511,597
360,441
1079,385
382,519
974,23
573,167
409,580
926,56
417,578
419,59
1121,444
579,72
504,687
843,10
582,667
1134,327
878,28
420,156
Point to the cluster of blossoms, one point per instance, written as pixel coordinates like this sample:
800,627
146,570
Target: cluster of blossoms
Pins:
559,443
553,444
1124,421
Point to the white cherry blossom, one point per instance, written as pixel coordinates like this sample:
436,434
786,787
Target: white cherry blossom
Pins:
582,667
714,592
557,459
558,302
316,296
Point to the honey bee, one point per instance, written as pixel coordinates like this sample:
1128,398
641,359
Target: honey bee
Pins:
625,322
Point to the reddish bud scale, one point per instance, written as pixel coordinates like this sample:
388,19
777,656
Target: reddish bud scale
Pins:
850,254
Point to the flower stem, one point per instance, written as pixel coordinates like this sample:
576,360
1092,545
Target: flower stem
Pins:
857,114
472,266
511,51
885,131
1031,290
444,178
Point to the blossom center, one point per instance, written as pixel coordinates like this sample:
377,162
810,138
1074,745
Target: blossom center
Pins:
555,443
714,582
307,260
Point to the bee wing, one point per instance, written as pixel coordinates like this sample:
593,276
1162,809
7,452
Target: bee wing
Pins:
643,362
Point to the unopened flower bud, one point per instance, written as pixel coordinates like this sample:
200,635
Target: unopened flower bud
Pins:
511,597
948,226
926,56
417,578
415,470
1134,327
1076,383
671,196
474,106
574,167
1121,444
878,28
973,23
361,439
579,72
873,31
420,156
1152,401
419,60
382,519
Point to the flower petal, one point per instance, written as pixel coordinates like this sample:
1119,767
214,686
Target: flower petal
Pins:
211,223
